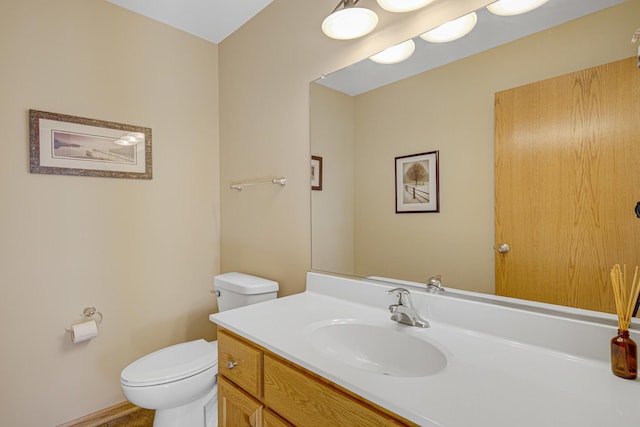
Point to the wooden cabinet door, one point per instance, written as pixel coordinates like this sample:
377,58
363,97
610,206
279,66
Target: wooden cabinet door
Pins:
273,420
308,402
567,179
237,408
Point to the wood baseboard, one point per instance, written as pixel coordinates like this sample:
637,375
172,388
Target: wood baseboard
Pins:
122,414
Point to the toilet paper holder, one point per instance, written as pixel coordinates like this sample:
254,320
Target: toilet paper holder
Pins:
90,312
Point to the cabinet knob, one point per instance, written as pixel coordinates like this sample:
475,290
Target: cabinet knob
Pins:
504,248
231,364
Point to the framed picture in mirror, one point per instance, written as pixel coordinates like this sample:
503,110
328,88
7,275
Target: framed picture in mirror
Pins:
316,173
417,186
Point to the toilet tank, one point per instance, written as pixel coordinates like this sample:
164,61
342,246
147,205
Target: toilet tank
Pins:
235,290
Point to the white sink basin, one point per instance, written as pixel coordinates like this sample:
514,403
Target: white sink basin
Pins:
377,349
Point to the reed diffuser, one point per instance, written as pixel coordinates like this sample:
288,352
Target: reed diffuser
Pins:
624,353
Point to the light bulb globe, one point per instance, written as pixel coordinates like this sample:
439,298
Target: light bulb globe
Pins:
349,23
451,30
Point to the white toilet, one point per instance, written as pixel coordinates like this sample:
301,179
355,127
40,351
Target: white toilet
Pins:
180,382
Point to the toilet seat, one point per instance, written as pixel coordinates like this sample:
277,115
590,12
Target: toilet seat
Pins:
171,364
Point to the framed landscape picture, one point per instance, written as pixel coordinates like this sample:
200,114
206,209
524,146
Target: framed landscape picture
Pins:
417,187
68,145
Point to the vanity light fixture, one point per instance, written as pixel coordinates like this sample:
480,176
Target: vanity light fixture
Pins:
451,30
348,22
403,5
514,7
395,54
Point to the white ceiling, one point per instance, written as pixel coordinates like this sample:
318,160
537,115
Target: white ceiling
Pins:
211,20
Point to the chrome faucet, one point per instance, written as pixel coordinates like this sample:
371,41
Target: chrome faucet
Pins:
434,284
403,311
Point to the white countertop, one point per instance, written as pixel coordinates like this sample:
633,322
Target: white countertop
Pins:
489,380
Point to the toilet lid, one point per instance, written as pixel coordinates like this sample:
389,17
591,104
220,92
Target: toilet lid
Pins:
171,363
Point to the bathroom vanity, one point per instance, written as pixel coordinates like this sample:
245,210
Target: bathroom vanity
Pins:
258,384
333,356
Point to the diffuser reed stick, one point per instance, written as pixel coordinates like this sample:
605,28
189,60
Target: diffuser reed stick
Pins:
625,297
624,354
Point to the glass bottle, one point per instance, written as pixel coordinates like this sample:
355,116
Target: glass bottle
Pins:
624,356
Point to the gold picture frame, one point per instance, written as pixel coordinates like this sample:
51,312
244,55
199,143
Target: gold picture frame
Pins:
61,144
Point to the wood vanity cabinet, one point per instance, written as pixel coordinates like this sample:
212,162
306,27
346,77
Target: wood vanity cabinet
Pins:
260,389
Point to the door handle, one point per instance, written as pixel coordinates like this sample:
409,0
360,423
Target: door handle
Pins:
504,248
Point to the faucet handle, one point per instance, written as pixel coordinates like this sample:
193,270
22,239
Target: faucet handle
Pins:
435,283
401,293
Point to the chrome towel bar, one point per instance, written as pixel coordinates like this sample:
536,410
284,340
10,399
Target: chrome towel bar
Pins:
240,185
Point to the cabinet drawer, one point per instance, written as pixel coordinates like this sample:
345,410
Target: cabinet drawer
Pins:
309,402
240,362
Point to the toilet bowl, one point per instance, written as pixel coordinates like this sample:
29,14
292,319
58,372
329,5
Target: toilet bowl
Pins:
180,381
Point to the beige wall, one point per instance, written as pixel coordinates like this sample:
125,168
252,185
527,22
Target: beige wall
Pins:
332,209
143,251
265,70
450,109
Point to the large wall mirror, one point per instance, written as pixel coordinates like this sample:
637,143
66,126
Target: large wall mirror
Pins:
449,108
